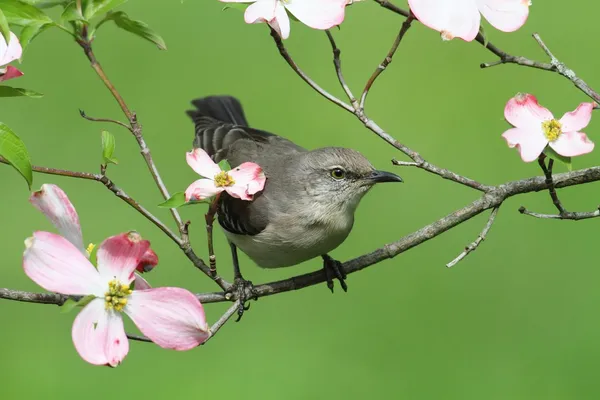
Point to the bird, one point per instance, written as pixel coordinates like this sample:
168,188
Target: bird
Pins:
306,208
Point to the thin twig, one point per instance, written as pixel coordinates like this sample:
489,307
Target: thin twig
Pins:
139,338
371,125
224,318
550,182
136,127
386,61
567,215
473,246
209,218
392,7
337,63
114,121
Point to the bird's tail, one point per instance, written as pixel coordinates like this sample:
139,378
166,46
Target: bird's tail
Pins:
222,108
219,122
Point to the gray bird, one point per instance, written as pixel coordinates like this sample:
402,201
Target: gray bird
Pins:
307,206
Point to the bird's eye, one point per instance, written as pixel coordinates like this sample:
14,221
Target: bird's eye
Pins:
338,173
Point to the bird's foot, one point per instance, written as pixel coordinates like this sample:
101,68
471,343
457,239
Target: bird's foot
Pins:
334,270
244,291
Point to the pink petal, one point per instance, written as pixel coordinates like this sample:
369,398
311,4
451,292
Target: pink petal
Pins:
202,163
530,143
119,255
148,262
10,73
57,265
249,179
505,15
172,317
578,119
11,52
141,283
453,18
260,11
59,210
281,22
201,189
99,336
318,14
571,144
524,111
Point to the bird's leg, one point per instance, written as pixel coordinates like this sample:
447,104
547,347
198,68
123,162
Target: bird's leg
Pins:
241,287
334,269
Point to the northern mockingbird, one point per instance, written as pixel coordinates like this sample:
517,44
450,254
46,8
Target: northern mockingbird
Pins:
307,206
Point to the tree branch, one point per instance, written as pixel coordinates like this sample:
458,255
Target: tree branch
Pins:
473,246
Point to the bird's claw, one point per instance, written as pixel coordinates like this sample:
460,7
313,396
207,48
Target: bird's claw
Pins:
334,270
244,292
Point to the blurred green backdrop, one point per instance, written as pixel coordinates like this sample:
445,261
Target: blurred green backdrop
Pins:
515,320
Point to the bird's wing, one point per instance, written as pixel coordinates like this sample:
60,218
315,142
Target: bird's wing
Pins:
241,217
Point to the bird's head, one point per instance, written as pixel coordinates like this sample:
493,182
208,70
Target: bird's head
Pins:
341,176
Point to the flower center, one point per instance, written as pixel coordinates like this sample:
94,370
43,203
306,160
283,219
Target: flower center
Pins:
552,129
223,179
116,296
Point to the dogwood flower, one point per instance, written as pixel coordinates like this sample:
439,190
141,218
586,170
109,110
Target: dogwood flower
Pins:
53,202
461,18
9,52
317,14
242,182
535,128
173,318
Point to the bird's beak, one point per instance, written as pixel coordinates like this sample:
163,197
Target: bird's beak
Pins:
384,176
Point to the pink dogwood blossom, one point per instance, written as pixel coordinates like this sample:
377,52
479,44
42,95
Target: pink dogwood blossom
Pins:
461,18
242,182
317,14
9,52
173,318
535,128
53,202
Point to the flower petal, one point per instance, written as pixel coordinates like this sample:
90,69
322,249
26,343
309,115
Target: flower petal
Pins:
578,119
201,189
10,52
505,15
141,283
99,336
452,18
318,14
530,143
119,255
571,144
260,11
148,262
281,22
524,111
249,179
201,162
172,317
57,265
10,73
59,210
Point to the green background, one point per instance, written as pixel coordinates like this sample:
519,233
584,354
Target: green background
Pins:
517,319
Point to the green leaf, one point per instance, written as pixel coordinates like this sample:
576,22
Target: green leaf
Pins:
92,8
224,165
7,91
71,13
108,148
549,152
47,3
29,32
4,29
20,13
138,28
13,149
177,200
70,304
